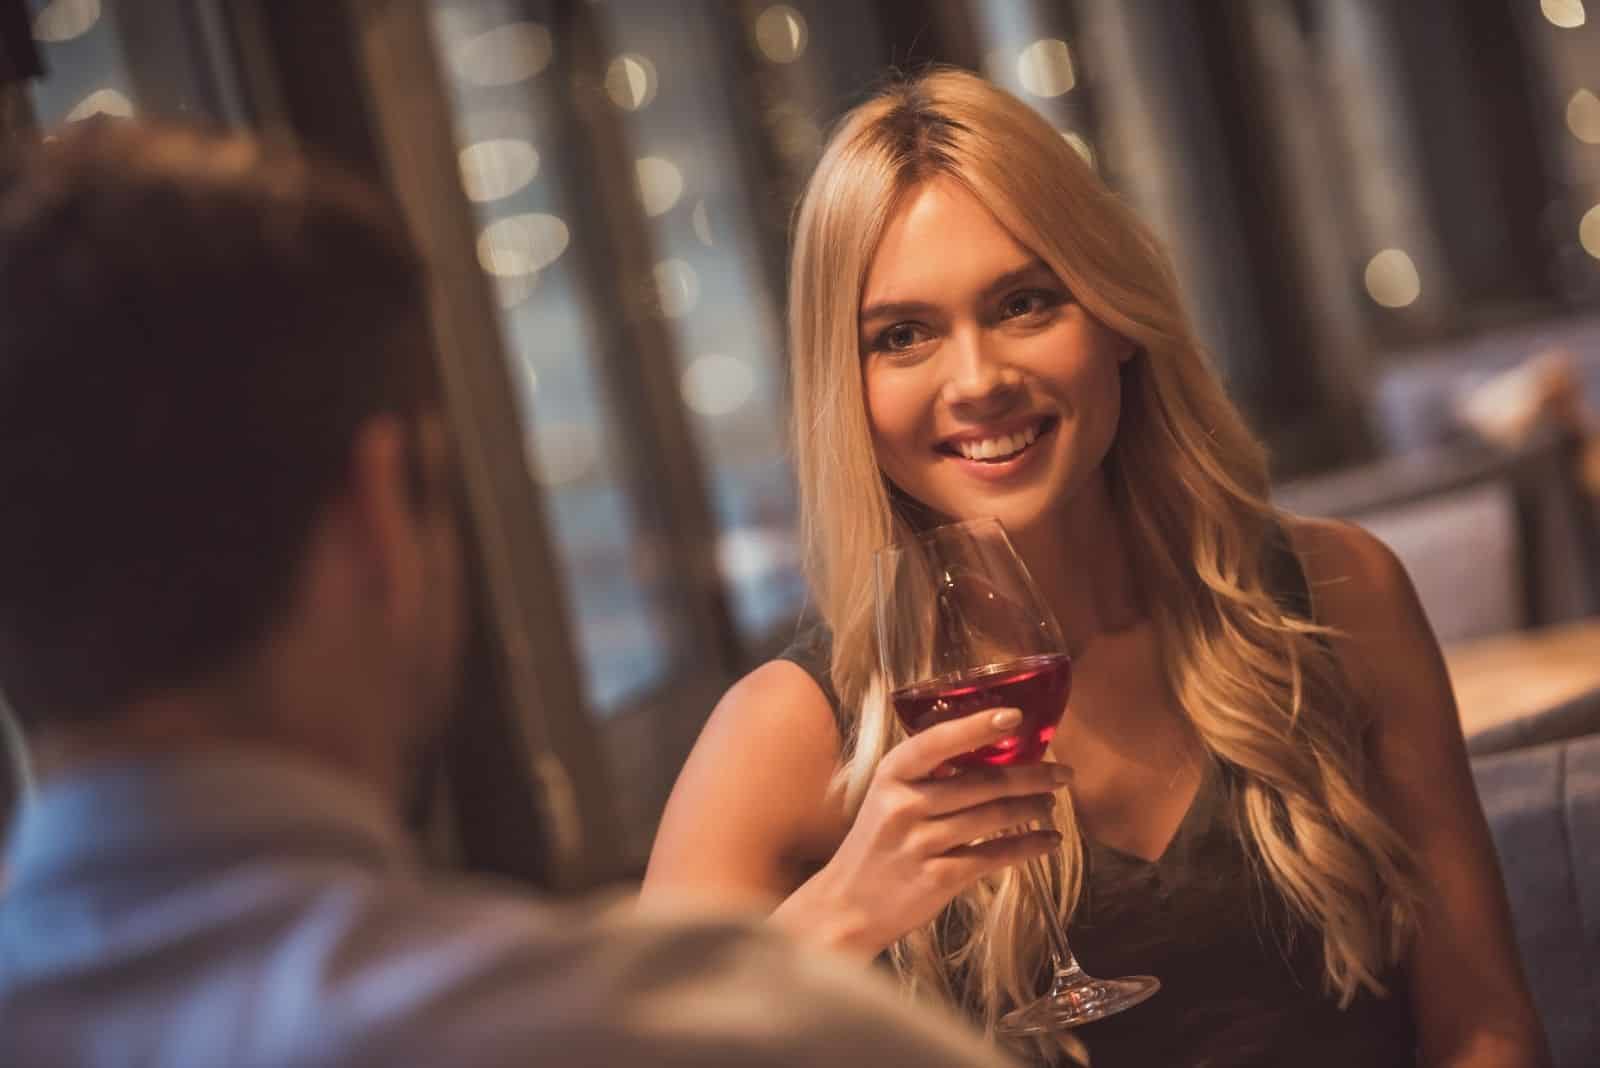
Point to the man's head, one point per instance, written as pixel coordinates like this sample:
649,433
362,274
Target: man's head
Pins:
220,455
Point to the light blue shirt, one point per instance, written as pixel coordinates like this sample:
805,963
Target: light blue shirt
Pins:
252,911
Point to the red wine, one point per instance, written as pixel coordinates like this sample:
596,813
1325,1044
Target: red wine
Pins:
1037,685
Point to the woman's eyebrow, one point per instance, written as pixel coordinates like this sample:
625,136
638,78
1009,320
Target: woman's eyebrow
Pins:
906,308
1024,273
895,309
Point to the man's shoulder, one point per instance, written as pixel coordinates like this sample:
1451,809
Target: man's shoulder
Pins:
480,976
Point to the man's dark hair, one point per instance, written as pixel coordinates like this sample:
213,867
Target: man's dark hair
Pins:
194,327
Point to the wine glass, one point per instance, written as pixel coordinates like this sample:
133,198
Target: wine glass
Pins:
962,628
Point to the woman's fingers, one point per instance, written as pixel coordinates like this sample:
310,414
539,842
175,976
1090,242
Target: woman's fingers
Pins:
975,786
919,839
965,865
983,821
922,754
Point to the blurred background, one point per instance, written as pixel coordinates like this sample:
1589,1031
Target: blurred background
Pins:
1385,216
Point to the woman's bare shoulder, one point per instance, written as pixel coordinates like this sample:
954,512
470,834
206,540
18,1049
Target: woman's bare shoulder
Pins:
754,804
783,689
1360,589
780,705
1353,575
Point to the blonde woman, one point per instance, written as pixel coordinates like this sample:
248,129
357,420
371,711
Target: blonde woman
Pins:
1270,803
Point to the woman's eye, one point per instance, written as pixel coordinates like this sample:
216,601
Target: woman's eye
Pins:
1028,302
899,337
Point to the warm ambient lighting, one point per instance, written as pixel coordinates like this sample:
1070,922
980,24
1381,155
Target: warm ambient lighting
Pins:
781,33
1392,279
62,20
660,184
631,81
504,56
1045,68
715,384
496,168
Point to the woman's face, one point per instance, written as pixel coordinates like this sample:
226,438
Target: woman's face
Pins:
990,391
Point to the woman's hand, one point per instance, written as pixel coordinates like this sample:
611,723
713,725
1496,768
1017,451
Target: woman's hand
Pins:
923,835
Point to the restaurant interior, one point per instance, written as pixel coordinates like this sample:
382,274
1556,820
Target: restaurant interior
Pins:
1385,219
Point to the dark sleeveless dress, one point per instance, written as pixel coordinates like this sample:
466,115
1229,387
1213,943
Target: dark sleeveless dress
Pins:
1241,977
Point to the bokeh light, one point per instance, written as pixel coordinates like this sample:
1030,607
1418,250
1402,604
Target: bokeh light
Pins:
677,288
1589,231
1392,279
504,55
101,102
1567,14
1583,117
496,168
62,20
715,384
781,33
631,81
522,244
1045,68
660,184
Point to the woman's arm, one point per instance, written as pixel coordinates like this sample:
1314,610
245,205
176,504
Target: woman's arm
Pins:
750,816
1468,990
752,819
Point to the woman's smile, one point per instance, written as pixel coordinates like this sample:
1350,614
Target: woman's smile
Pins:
999,452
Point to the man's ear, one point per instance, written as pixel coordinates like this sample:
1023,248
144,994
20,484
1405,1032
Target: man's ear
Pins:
384,517
433,465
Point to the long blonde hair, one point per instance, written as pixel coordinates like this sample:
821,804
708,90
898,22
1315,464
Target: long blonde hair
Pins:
1262,688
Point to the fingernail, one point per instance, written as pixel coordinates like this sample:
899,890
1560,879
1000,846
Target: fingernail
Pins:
1006,718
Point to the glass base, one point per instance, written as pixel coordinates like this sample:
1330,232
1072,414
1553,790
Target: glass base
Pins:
1076,998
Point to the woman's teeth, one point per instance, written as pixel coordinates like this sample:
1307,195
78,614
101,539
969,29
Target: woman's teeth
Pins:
998,448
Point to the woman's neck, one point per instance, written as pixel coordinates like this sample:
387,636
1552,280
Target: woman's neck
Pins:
1080,563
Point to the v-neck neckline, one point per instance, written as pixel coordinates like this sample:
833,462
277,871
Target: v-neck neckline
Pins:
1202,791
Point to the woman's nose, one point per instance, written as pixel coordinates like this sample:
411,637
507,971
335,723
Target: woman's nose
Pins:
976,375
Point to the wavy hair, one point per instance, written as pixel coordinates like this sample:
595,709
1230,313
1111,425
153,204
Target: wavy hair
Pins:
1260,686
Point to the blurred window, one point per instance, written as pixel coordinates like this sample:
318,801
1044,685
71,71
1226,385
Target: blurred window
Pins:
498,64
668,79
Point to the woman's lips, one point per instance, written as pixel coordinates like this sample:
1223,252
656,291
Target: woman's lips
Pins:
983,457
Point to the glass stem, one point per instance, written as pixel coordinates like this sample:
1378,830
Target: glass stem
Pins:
1066,964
